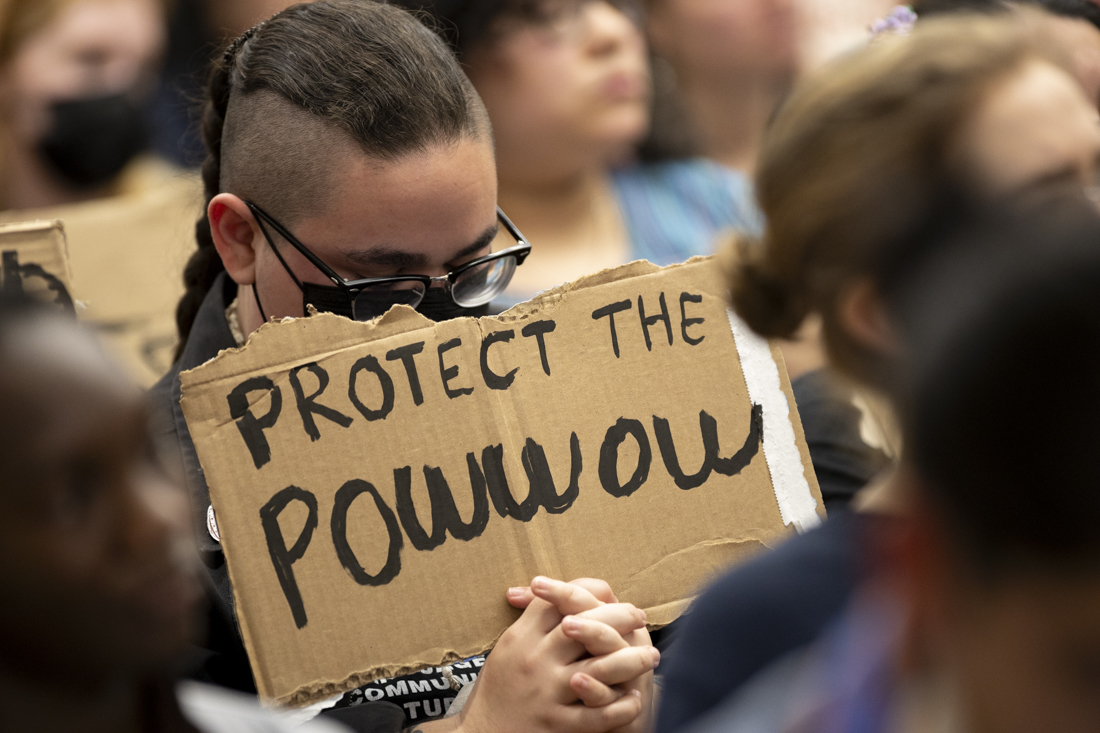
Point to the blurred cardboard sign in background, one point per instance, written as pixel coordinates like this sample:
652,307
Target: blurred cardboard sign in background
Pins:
34,259
378,486
127,255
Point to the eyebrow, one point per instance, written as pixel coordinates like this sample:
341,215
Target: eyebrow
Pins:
1064,174
1060,175
388,256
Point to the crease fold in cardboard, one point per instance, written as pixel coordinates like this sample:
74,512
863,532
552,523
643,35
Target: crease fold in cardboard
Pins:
379,485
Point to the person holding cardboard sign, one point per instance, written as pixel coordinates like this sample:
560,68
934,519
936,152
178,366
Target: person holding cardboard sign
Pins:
352,175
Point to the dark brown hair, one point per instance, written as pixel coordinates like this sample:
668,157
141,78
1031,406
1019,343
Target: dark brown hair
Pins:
311,79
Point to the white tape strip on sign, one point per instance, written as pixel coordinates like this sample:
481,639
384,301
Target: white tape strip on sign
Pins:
797,505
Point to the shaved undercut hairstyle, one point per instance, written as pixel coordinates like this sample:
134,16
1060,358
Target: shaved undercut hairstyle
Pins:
294,95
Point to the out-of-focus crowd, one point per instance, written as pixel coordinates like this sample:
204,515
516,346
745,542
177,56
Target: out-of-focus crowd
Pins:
904,198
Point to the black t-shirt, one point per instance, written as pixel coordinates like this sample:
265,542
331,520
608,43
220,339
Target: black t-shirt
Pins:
844,464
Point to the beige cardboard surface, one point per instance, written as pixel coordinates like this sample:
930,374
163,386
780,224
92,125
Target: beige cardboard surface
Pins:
320,438
127,254
35,255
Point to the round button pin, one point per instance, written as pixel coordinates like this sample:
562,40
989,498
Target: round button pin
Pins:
212,524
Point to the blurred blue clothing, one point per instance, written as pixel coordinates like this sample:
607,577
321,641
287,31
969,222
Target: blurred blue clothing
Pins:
844,464
757,614
844,683
676,209
784,599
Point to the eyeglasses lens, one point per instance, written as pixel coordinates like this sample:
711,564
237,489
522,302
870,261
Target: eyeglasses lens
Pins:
478,285
374,300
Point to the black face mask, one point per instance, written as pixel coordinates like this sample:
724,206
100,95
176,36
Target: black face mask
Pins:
436,305
91,140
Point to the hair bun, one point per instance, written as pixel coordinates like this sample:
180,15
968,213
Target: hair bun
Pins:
765,302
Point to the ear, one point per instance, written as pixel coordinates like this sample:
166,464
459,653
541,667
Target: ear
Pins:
863,314
236,236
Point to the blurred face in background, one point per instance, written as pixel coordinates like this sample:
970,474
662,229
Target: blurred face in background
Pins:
1031,129
1027,652
1082,39
1019,645
1034,127
230,18
564,89
726,39
95,554
68,58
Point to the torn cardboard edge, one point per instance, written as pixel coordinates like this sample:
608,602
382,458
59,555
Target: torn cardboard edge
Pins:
658,617
316,692
401,319
44,228
763,380
797,505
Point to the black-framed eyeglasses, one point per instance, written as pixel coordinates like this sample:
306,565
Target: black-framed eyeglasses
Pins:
469,285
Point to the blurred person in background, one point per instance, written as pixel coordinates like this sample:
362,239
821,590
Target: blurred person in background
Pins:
873,149
978,610
99,591
720,70
566,84
75,83
198,30
1076,23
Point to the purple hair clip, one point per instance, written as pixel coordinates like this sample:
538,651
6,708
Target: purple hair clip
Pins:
900,21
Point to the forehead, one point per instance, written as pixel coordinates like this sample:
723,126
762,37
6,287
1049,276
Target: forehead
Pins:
433,202
118,23
109,39
1032,124
55,377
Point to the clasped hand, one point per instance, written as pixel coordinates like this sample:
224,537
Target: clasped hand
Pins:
576,661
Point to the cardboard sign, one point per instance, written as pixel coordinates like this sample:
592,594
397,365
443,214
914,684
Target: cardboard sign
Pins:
128,253
378,486
34,259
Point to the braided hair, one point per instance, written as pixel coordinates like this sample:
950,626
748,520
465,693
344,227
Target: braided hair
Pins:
358,70
205,264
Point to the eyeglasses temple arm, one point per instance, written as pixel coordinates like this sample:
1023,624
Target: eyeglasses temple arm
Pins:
512,230
262,216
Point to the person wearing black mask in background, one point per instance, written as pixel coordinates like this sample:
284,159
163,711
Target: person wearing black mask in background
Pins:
75,77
